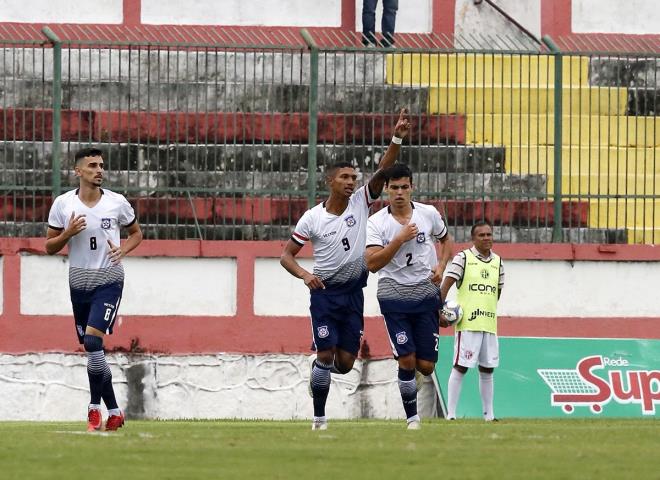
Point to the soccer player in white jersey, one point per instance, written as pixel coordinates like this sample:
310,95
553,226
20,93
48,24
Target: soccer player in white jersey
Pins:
337,229
479,277
401,246
88,219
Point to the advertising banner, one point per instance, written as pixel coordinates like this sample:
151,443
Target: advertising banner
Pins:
563,377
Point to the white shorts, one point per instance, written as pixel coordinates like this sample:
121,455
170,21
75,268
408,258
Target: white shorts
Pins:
470,347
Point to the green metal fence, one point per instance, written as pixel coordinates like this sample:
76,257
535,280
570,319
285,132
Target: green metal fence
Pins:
229,139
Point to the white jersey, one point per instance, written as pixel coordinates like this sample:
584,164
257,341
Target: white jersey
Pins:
89,264
404,283
338,242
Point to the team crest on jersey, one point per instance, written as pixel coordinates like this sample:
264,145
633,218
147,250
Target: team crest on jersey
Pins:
421,237
322,331
485,274
468,354
401,338
106,223
350,221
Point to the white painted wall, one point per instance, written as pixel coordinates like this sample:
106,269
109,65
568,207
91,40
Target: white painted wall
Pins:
61,11
55,387
153,286
326,13
616,16
473,21
413,16
207,286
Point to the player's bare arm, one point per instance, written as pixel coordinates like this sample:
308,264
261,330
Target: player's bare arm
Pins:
377,257
401,130
117,252
288,261
57,239
445,251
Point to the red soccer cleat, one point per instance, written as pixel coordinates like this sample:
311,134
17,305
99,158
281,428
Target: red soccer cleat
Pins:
94,420
115,422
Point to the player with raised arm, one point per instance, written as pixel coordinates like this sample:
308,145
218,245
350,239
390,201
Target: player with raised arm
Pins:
337,229
88,219
479,277
401,246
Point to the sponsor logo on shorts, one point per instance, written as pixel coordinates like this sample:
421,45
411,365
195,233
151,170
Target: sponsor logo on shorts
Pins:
350,221
322,331
81,332
106,223
421,237
401,338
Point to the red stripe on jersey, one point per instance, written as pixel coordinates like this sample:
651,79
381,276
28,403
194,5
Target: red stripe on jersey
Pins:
300,237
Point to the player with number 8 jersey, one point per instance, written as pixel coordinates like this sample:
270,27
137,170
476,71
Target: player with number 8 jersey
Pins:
88,220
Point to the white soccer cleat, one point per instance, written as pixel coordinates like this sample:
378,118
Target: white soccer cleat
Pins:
319,424
414,425
419,380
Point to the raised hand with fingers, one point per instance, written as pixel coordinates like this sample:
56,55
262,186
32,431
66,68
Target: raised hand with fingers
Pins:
402,127
115,253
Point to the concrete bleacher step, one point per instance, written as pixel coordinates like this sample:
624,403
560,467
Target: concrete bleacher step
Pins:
483,69
540,233
204,96
461,233
606,183
631,213
16,157
538,129
584,160
222,127
623,71
167,64
470,99
644,235
221,210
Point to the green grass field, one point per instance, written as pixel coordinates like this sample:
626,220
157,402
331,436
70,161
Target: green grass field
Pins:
463,449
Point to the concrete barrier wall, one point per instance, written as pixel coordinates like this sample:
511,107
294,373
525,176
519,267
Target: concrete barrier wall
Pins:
220,330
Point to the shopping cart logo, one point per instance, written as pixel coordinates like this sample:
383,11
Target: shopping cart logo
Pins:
583,388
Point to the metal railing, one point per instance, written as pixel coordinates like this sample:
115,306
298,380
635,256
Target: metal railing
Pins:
226,137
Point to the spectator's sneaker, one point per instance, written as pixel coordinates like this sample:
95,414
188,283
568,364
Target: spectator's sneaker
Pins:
319,424
414,425
311,360
94,419
419,380
114,422
493,420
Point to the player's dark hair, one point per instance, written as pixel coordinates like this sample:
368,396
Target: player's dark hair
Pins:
478,224
396,171
87,152
333,169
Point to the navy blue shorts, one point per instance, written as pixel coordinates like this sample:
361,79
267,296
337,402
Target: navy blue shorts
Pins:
337,321
414,333
96,308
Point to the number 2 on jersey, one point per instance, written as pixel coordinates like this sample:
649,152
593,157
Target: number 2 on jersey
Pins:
409,259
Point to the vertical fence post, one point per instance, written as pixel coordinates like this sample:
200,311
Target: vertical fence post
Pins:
56,178
559,73
313,117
